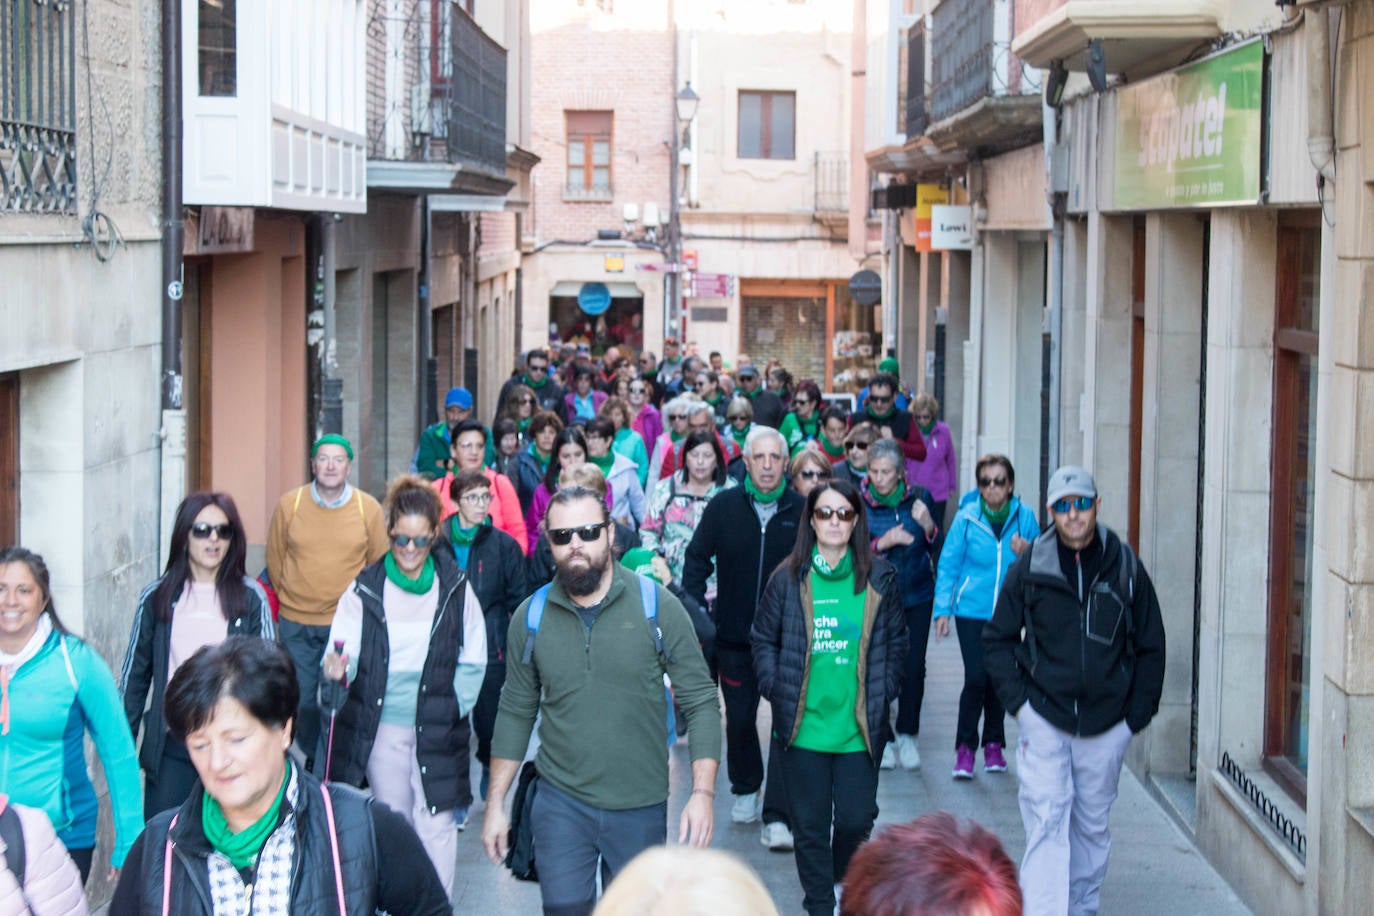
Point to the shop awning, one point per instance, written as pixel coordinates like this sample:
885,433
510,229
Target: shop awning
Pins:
621,290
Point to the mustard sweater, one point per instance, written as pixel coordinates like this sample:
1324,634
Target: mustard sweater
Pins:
313,552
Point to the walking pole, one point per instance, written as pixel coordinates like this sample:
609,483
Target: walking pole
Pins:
337,696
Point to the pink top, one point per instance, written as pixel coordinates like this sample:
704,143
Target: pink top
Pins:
196,622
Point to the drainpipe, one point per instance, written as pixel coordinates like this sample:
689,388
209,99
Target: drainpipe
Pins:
430,378
331,386
1321,144
172,482
1054,313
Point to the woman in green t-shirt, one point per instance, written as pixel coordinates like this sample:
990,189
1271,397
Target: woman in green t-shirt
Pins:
829,639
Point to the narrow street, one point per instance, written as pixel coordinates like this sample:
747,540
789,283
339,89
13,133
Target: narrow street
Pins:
1155,868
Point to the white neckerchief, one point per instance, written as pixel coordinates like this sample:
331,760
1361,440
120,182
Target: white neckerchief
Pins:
36,641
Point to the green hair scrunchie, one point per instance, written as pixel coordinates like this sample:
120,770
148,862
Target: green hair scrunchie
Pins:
332,439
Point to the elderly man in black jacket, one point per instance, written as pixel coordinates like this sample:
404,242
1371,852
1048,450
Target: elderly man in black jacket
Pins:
745,532
1075,649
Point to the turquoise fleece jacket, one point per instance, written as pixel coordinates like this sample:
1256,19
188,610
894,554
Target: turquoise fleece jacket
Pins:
55,697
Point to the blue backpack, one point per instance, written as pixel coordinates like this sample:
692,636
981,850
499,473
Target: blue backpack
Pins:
648,595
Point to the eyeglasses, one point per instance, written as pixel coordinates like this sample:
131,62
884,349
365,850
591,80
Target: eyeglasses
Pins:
528,400
880,400
638,389
677,418
701,385
1081,503
476,499
985,482
737,416
587,534
405,540
859,446
814,475
801,402
202,530
537,368
826,513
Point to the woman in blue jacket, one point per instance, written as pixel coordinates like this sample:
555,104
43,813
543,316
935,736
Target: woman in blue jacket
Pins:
902,525
53,689
988,533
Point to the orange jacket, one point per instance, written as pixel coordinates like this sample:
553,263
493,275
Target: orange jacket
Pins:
504,509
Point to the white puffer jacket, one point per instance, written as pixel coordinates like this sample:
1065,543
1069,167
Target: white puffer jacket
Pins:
52,885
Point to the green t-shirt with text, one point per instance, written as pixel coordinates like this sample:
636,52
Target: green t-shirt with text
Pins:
829,720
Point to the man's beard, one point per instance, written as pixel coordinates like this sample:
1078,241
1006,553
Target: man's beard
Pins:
584,581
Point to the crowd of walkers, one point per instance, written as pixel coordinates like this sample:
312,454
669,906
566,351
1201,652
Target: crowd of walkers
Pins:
779,547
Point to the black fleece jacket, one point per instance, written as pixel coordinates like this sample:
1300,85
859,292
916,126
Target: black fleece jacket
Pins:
730,540
1090,655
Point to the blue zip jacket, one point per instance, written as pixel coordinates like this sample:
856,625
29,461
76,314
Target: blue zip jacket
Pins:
55,697
915,574
973,563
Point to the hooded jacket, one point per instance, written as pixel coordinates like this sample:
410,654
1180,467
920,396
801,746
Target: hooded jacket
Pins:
974,562
1090,655
781,640
627,496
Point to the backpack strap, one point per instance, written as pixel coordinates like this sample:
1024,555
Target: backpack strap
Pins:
534,613
648,596
167,869
1126,565
334,848
12,832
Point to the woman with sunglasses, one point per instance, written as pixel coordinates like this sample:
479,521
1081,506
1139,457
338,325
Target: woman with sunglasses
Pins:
802,423
739,420
679,499
409,652
519,407
645,418
808,469
203,596
857,442
829,601
675,414
990,530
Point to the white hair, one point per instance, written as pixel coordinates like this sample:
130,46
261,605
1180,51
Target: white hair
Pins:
758,434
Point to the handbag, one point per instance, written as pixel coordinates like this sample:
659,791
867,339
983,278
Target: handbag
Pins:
520,842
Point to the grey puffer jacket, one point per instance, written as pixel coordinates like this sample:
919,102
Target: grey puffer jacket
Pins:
781,640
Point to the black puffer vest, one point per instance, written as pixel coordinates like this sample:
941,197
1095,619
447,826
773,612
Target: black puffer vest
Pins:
312,867
441,734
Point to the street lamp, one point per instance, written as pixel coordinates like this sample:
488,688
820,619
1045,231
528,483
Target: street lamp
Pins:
685,107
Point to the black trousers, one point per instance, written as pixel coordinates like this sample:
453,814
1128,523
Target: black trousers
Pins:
978,698
484,713
834,804
176,777
743,756
914,671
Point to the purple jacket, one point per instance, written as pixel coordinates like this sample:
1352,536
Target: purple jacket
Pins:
939,472
539,507
649,424
598,398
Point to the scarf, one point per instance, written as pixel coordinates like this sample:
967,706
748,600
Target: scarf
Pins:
715,400
540,457
998,517
739,435
523,425
675,437
925,430
417,586
531,383
240,848
834,451
880,416
766,498
857,472
9,664
460,536
891,500
604,463
840,570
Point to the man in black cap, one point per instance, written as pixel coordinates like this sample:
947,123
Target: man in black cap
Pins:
1075,649
768,408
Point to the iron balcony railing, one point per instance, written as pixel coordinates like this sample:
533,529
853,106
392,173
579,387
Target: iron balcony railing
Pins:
961,56
914,98
37,107
832,183
477,98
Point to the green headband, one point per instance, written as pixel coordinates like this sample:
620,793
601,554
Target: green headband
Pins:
332,439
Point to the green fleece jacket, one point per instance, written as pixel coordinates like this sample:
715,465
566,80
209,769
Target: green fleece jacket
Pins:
603,734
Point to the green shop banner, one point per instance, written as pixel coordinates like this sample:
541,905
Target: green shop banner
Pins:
1191,138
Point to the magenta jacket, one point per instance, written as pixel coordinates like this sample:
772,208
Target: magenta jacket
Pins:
570,400
539,506
939,472
649,424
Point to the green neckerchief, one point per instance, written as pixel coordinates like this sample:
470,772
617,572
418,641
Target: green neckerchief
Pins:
675,437
891,500
604,462
834,451
880,416
739,435
765,498
523,425
460,536
417,586
716,400
998,517
857,472
529,382
241,848
811,429
822,567
540,457
752,394
925,430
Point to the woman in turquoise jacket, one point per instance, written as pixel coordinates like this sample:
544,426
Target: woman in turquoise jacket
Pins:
989,532
53,689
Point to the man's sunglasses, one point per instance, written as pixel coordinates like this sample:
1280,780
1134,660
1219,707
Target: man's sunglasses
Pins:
986,482
878,399
537,368
1081,503
405,540
826,513
861,446
587,534
202,530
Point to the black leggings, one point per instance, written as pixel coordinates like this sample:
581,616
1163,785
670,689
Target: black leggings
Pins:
978,697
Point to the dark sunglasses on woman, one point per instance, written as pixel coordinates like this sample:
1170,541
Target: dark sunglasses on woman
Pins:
201,530
825,513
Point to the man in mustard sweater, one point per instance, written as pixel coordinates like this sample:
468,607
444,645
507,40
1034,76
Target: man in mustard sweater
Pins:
321,536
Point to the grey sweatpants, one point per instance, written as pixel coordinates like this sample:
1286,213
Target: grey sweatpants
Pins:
1067,786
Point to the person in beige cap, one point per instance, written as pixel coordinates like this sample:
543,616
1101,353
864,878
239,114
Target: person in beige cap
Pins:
1075,649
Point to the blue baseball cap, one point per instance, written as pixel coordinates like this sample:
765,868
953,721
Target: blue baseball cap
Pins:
458,397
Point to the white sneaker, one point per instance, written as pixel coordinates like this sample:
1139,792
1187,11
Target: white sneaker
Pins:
746,808
776,836
908,753
889,761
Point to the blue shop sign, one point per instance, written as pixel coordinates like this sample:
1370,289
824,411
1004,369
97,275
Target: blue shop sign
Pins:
594,298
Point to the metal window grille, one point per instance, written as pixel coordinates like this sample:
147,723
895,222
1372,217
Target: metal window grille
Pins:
962,54
477,103
832,182
37,106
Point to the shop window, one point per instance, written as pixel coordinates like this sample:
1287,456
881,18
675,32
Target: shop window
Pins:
767,125
217,34
1287,700
590,142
